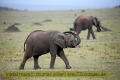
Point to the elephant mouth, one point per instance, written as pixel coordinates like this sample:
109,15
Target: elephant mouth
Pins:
98,30
73,47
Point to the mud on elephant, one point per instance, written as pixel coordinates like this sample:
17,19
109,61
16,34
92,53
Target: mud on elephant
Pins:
86,22
41,42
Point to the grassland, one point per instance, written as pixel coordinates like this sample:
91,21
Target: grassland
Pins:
93,55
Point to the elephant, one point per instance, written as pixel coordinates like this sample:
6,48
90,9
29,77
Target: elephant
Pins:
83,11
86,22
40,42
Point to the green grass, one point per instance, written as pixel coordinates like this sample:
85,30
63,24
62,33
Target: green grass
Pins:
100,54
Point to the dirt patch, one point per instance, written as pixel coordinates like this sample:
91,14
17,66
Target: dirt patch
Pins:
37,23
16,23
4,23
12,28
47,20
91,49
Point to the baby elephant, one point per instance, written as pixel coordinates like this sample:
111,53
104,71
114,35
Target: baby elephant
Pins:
41,42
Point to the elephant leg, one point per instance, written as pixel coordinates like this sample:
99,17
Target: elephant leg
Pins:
25,58
53,52
36,65
93,35
64,58
52,62
88,36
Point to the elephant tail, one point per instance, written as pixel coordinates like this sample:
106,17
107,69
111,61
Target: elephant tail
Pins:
28,37
26,41
24,46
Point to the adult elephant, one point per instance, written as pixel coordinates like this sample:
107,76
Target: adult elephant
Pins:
86,22
41,42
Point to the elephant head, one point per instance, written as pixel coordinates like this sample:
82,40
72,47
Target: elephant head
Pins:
67,39
75,36
97,23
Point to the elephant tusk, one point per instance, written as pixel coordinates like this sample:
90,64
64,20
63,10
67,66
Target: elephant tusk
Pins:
101,29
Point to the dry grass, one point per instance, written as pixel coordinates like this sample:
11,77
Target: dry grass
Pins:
100,54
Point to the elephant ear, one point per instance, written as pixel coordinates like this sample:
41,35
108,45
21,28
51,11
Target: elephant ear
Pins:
59,39
95,20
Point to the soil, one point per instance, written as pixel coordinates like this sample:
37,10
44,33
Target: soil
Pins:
37,23
47,20
12,28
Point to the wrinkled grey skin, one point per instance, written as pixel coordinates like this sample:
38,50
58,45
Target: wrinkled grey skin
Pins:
41,42
86,22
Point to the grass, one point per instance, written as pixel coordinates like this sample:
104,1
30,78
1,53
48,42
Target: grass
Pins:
102,53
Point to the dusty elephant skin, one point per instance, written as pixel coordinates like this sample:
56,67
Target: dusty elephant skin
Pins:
86,22
41,42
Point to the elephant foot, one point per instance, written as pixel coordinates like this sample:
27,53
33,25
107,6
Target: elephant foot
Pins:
21,68
87,39
51,67
37,67
68,67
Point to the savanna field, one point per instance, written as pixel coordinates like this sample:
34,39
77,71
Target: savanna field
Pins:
101,54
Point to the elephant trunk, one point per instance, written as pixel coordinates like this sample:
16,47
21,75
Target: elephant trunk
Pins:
77,36
100,27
